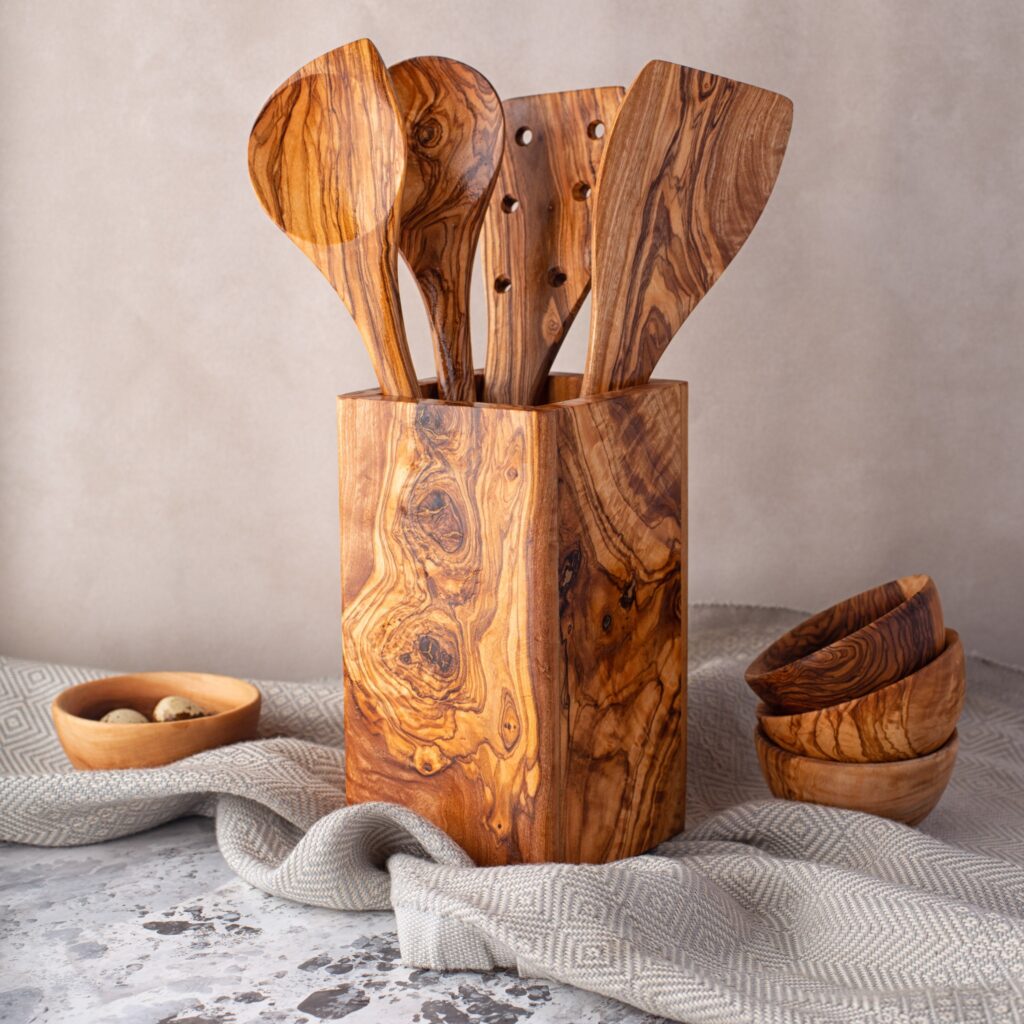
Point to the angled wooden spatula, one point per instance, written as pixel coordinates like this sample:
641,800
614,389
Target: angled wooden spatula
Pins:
688,166
327,158
537,234
455,134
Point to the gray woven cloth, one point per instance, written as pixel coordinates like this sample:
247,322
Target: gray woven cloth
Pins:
762,911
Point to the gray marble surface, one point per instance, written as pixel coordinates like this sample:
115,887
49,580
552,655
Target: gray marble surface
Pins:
155,929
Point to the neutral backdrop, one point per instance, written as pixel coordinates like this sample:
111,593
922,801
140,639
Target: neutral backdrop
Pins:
169,361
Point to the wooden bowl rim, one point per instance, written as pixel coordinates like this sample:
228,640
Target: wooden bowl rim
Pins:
57,707
947,748
952,649
758,673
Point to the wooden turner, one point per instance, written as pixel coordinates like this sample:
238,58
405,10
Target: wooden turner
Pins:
690,162
537,234
327,159
455,134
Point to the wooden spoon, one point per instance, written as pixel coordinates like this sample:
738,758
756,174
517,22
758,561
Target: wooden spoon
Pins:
326,158
537,234
455,134
690,162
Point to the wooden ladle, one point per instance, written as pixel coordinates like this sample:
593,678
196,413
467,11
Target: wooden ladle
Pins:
327,158
688,166
455,134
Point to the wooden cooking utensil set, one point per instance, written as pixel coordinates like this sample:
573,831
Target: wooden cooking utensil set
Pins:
514,543
356,162
861,701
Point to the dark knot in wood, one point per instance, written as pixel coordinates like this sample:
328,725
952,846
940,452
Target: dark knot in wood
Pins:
437,516
428,133
570,567
511,727
436,427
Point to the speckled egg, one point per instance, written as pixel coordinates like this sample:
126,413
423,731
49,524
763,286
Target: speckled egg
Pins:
176,709
124,716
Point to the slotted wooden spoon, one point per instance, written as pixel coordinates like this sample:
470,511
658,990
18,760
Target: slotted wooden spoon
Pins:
455,134
537,234
327,158
690,162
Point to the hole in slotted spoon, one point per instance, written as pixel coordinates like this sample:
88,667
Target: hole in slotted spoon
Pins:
510,204
502,284
581,190
596,129
524,136
557,277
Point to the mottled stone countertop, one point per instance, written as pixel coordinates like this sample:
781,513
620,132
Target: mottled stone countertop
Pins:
155,929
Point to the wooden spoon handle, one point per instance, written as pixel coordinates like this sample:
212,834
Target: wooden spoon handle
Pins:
448,302
369,288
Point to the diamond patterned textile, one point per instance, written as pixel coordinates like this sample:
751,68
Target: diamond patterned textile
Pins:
762,911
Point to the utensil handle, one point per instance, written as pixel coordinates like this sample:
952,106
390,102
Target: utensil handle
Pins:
389,348
447,301
368,285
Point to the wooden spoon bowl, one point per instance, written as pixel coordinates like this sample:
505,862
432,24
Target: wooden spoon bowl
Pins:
233,706
327,158
901,790
908,718
455,134
852,648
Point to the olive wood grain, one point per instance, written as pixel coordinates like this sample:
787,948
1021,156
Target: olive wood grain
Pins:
905,791
689,164
852,648
513,588
908,718
327,158
233,706
455,134
537,234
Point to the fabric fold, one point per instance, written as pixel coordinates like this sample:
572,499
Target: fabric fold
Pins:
762,911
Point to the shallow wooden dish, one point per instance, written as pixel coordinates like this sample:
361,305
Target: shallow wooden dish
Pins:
852,648
908,718
902,790
234,707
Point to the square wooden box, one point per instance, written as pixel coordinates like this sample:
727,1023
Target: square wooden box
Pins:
513,617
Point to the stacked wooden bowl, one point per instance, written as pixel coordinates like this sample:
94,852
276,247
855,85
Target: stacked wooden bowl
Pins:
861,701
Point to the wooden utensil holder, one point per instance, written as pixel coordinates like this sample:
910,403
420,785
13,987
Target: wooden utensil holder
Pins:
514,627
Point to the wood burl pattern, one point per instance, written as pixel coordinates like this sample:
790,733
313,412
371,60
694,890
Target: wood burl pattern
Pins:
444,549
622,542
512,585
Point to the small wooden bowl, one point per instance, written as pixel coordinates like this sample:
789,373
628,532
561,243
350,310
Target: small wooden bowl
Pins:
852,648
902,790
908,718
234,707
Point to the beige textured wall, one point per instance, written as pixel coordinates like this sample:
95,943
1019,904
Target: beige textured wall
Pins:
168,361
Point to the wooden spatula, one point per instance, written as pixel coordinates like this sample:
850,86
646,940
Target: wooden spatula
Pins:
537,234
326,158
455,134
688,167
